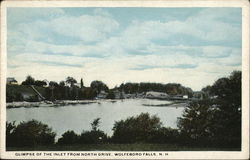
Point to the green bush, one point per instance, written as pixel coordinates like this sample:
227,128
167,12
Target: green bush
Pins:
215,121
93,137
31,133
10,127
196,122
69,137
13,96
111,95
164,135
136,129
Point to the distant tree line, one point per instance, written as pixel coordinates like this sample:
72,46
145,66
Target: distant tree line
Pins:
170,88
212,122
68,90
31,81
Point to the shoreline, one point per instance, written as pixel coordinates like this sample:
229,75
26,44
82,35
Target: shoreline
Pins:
26,104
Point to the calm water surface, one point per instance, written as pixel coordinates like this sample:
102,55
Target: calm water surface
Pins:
78,117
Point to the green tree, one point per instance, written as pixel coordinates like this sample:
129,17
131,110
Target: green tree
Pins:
71,81
29,81
95,136
216,120
81,83
95,124
111,95
227,120
32,133
69,137
39,83
136,129
197,121
89,93
10,127
53,84
99,86
62,84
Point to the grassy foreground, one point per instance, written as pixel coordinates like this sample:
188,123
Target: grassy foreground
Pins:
118,147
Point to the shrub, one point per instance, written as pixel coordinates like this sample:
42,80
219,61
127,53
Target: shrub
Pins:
111,95
13,96
31,133
33,98
93,137
217,120
10,127
69,137
164,135
196,122
29,81
136,129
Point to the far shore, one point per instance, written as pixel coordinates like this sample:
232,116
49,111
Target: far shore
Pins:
57,103
54,103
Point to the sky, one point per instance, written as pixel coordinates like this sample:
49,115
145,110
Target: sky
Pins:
190,46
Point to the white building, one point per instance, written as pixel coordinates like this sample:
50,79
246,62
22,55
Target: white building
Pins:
158,95
11,80
102,95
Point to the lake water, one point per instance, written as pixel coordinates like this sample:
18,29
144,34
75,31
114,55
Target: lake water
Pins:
78,117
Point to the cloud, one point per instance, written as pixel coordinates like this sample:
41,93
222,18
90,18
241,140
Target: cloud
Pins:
180,66
144,67
99,44
84,28
141,34
57,64
102,12
184,66
18,15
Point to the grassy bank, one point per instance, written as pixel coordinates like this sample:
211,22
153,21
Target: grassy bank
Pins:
119,147
24,90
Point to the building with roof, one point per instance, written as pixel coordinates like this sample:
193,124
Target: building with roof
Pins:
11,80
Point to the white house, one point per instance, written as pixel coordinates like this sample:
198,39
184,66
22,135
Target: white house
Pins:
11,80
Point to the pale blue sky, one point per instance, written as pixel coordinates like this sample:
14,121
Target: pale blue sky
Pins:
191,46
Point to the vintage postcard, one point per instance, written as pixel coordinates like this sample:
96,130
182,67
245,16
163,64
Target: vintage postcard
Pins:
125,79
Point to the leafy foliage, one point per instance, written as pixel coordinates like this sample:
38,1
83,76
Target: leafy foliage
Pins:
165,135
93,137
71,81
88,93
13,96
31,133
99,86
40,83
95,124
82,83
196,121
111,95
29,81
170,88
135,129
69,137
216,120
